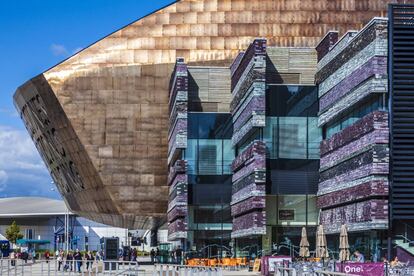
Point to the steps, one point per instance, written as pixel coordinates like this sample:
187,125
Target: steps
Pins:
404,250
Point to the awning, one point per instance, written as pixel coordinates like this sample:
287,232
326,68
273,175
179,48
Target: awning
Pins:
29,241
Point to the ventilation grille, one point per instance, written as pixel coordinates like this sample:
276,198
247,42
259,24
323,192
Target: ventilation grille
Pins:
401,76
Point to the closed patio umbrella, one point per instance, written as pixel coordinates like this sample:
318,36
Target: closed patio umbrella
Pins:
304,244
321,245
343,244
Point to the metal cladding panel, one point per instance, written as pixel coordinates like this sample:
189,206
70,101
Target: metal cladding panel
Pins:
114,94
401,85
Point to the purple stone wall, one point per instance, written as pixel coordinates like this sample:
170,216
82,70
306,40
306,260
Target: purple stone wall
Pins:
376,65
257,48
248,108
253,223
177,141
367,189
255,105
246,206
363,215
374,120
354,164
326,44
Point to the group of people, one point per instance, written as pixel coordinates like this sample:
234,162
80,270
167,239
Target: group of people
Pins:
25,255
176,255
130,255
74,261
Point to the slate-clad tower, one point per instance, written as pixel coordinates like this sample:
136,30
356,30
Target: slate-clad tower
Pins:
354,166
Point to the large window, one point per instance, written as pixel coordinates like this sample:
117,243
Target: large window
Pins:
292,137
209,156
375,102
292,130
291,210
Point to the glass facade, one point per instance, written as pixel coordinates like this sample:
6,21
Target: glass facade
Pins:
209,155
292,138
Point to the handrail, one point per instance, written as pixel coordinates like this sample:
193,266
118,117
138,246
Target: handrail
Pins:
332,273
281,271
404,238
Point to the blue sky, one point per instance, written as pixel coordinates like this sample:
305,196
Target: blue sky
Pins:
35,35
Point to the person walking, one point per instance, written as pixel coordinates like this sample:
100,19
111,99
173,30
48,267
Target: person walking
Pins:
59,259
179,255
89,260
134,255
69,261
78,259
152,254
47,256
13,258
25,256
157,255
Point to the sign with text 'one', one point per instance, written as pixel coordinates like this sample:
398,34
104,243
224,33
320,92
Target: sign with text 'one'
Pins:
362,269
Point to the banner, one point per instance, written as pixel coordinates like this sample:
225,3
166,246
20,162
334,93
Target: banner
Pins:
362,269
269,263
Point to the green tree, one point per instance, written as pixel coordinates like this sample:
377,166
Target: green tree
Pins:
13,233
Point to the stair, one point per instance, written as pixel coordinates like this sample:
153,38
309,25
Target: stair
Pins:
404,250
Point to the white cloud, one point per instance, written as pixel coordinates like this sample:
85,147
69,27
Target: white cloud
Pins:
3,180
22,171
58,50
18,155
9,112
61,50
77,50
17,151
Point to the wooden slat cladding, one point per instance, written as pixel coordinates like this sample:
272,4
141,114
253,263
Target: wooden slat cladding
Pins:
291,65
209,89
125,77
401,76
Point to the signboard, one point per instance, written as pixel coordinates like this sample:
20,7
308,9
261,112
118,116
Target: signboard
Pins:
269,263
363,269
110,248
287,214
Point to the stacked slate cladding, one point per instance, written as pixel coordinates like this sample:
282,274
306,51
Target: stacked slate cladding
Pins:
177,142
354,164
248,106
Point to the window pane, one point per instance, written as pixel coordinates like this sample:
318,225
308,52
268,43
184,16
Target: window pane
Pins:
292,209
313,211
270,136
209,157
228,156
190,156
292,137
314,138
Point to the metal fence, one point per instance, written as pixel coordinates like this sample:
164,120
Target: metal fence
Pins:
182,270
55,268
388,271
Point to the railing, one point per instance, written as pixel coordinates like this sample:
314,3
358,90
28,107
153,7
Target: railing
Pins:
182,270
285,271
10,267
331,273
